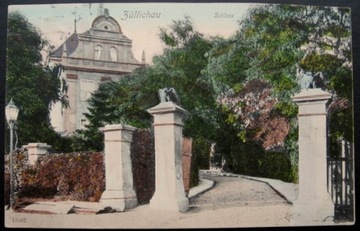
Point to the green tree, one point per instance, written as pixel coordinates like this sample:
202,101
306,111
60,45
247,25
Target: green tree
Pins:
274,41
32,85
238,90
180,66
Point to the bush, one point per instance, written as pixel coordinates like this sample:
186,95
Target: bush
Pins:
200,159
245,158
6,188
249,158
81,176
143,164
75,176
277,166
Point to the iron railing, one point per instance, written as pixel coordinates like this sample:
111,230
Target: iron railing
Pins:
341,182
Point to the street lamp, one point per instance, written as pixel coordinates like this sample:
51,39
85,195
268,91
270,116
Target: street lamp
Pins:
11,113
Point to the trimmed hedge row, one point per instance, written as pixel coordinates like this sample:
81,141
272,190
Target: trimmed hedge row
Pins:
74,176
81,176
143,164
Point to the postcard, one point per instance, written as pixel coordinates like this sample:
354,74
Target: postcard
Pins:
178,115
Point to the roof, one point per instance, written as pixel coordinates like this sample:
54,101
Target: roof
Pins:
69,45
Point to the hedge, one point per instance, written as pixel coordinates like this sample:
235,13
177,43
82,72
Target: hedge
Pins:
81,175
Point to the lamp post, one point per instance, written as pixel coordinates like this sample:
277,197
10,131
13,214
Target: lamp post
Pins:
11,113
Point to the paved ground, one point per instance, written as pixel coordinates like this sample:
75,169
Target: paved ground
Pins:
234,192
231,202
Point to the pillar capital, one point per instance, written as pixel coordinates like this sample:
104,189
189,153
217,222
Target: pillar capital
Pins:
167,107
311,95
117,127
118,132
312,102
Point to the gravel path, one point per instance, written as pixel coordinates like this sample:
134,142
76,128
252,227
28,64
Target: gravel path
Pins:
234,192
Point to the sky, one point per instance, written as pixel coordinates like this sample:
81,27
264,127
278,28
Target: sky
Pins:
141,22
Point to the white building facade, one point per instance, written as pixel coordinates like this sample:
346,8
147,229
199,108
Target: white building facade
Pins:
103,53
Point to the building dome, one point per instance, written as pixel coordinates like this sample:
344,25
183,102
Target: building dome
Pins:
106,23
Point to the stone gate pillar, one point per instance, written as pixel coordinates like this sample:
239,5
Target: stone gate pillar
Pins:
169,187
119,193
36,150
314,203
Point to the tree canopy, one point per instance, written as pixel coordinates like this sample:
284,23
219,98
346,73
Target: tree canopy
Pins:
272,42
179,67
32,85
238,90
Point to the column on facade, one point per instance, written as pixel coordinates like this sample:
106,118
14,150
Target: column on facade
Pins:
119,193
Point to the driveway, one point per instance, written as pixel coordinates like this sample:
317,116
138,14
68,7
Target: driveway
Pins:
233,191
232,202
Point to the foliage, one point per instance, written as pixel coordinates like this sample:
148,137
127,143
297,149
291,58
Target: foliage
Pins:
271,43
81,176
76,176
315,38
180,65
238,90
25,73
143,164
244,158
90,139
120,102
253,105
199,159
276,166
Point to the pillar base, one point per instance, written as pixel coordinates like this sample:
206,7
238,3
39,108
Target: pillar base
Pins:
170,204
119,200
313,212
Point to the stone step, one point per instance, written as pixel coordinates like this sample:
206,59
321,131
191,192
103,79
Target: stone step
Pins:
49,208
67,207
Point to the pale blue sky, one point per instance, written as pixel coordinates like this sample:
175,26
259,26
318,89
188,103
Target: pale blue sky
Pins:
56,21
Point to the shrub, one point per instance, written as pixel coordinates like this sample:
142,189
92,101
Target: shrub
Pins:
143,164
245,158
81,176
76,176
200,159
277,166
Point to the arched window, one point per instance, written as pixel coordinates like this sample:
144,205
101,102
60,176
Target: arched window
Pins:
113,54
98,50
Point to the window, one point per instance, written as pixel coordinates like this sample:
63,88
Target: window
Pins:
113,54
98,51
